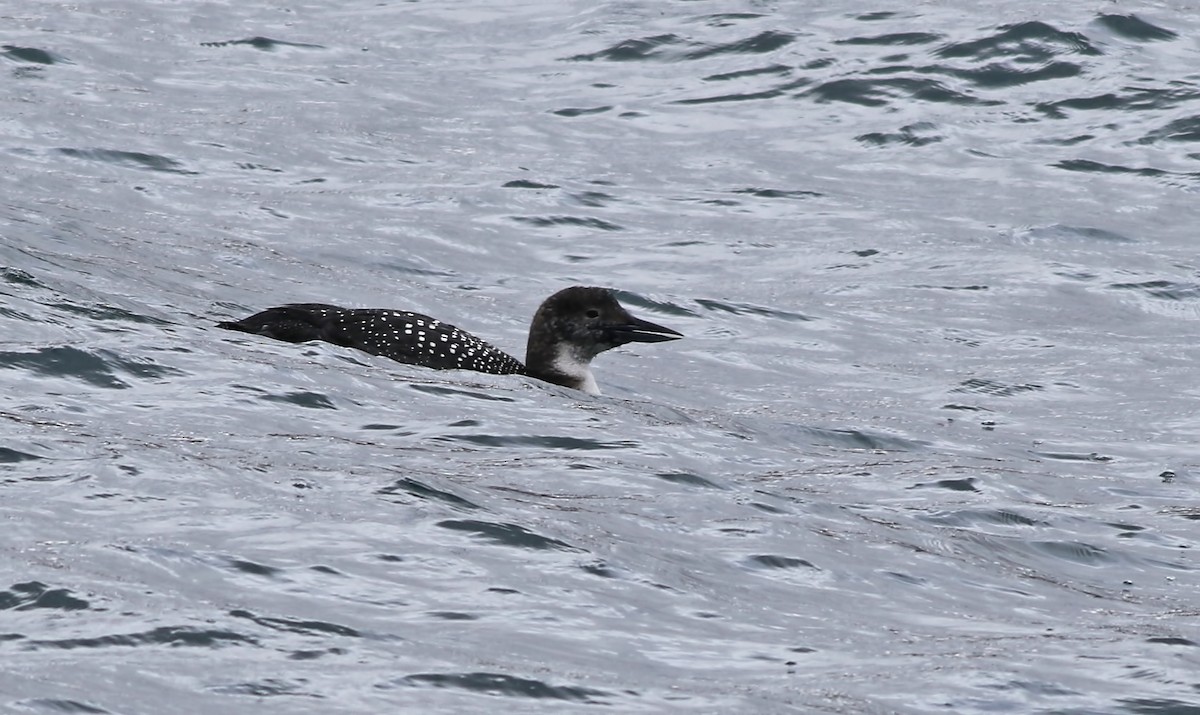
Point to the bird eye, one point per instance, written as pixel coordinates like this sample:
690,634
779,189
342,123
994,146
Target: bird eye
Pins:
593,313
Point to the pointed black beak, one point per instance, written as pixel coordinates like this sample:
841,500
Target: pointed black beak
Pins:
636,330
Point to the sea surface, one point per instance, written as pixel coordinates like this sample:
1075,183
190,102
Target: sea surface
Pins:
931,444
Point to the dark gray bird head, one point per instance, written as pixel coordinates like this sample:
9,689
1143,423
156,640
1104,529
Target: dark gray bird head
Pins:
575,325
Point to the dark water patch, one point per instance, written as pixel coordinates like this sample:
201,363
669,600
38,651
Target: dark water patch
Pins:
58,706
18,277
574,221
425,492
998,76
743,97
1027,42
263,43
537,442
270,211
1075,552
726,19
505,685
32,55
1162,289
878,92
290,625
1059,232
507,535
995,388
1095,167
599,568
1068,141
1134,28
970,517
582,111
768,508
895,38
1074,456
311,400
269,687
965,408
172,636
108,312
762,43
954,485
452,616
876,16
783,70
717,306
99,368
12,456
1159,706
1131,99
919,134
692,480
858,439
640,50
132,159
524,184
411,268
252,568
593,199
1186,129
1173,641
314,654
777,193
671,47
771,561
906,578
443,391
47,478
924,286
251,166
32,595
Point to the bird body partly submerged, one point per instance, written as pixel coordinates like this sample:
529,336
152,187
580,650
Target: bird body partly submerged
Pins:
569,329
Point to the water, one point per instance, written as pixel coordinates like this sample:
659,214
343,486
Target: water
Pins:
928,447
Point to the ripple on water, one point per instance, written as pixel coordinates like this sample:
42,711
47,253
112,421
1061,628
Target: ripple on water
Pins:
506,685
265,44
523,441
100,368
507,535
1132,27
172,636
422,491
13,456
297,626
36,595
32,55
132,159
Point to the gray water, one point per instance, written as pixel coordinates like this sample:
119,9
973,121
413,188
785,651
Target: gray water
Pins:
928,447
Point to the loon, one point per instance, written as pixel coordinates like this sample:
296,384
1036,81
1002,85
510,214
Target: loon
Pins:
569,329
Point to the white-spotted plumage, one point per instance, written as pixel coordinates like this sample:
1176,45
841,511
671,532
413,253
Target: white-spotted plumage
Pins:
569,329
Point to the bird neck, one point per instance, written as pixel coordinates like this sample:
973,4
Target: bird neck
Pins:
561,365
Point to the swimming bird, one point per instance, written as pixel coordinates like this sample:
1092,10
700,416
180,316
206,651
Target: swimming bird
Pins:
569,329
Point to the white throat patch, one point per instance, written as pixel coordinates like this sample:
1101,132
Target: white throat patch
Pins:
570,365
